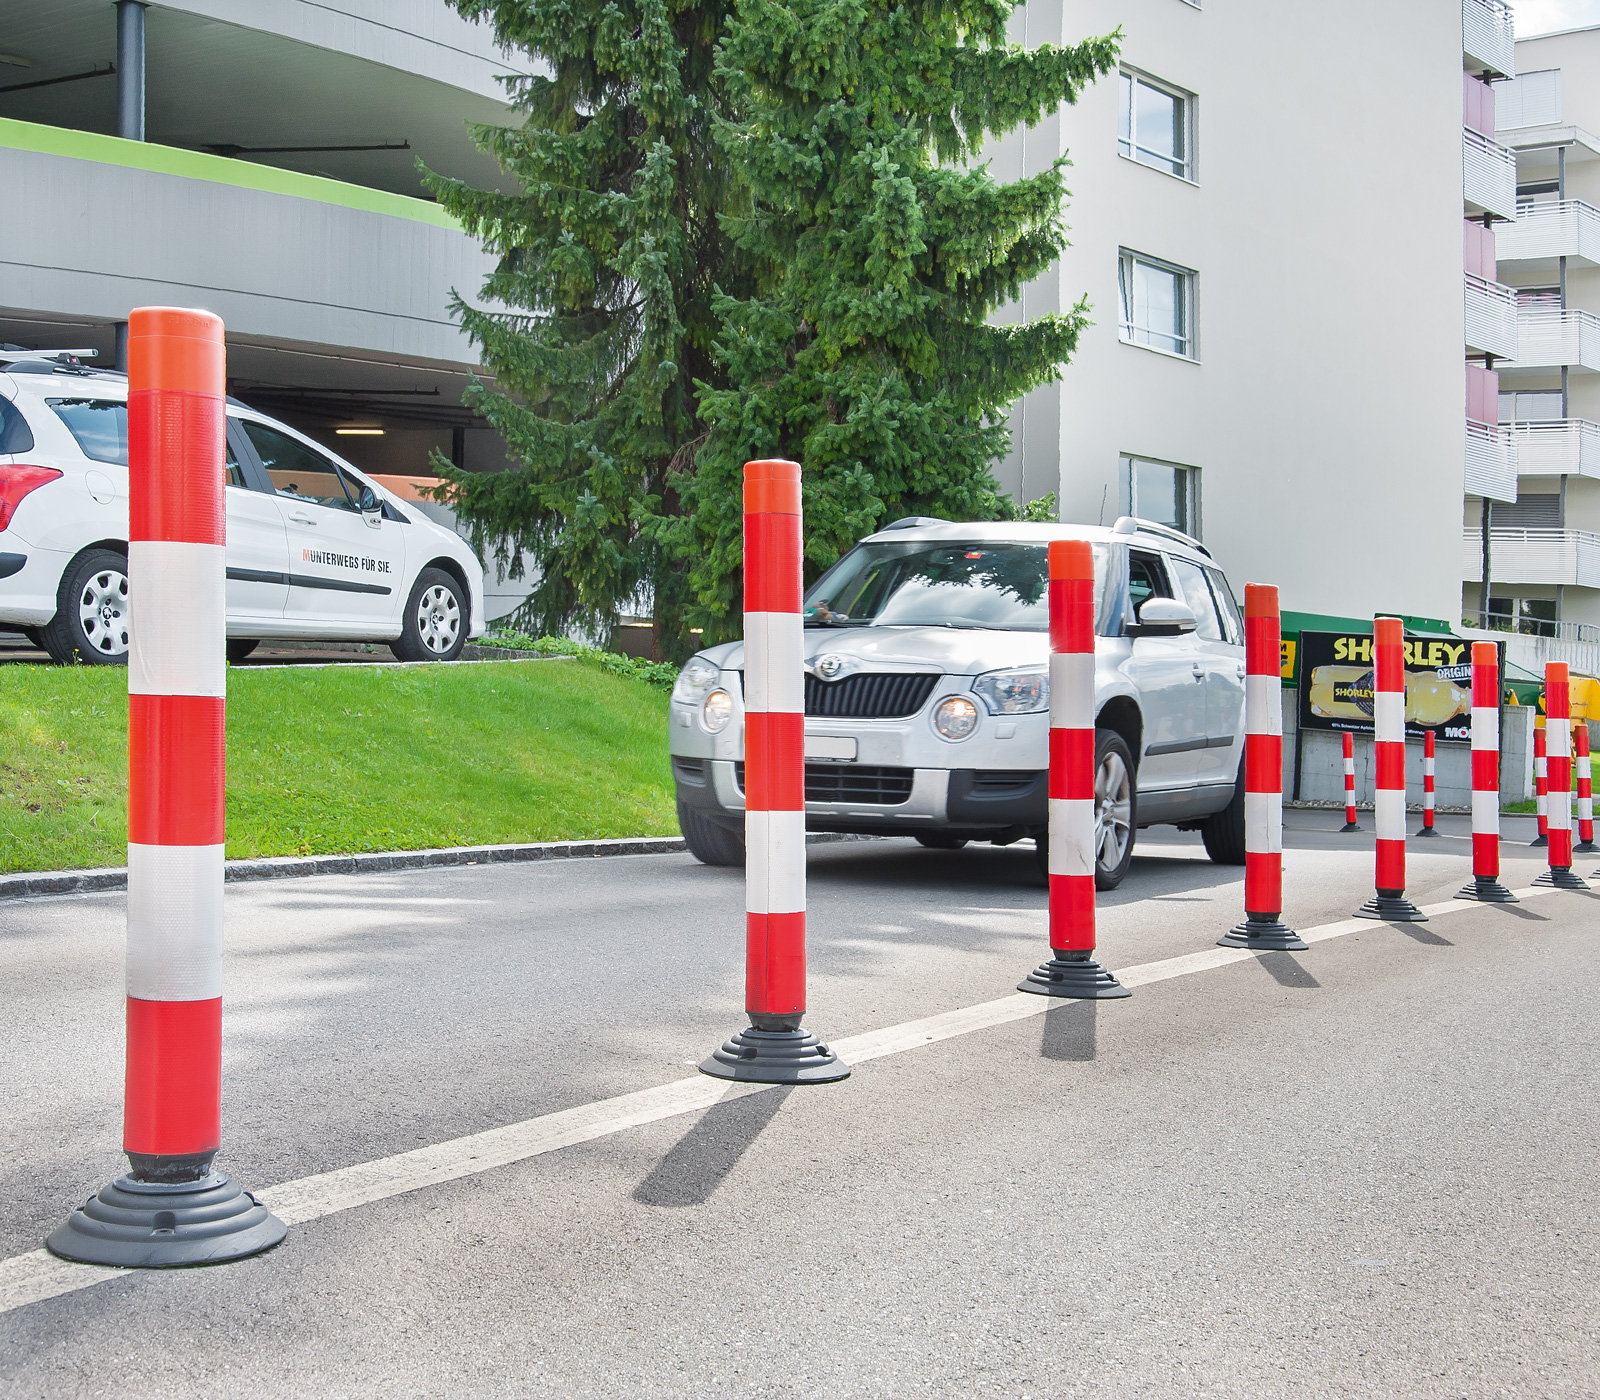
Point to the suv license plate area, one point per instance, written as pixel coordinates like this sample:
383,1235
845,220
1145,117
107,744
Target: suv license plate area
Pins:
825,748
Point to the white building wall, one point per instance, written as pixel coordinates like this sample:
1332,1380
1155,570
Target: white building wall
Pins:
1325,409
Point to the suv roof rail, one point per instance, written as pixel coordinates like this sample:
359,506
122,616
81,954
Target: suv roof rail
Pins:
22,361
1133,525
911,522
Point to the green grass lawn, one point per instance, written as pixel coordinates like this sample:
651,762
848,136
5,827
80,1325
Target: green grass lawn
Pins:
349,758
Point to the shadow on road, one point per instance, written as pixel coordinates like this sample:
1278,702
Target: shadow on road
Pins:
702,1158
1069,1031
1286,970
1423,935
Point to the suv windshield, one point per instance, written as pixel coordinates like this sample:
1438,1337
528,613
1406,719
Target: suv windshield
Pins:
998,585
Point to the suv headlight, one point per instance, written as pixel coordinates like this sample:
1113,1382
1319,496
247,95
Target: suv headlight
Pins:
694,680
956,717
1024,691
717,711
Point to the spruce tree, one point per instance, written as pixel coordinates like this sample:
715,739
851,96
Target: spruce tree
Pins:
880,246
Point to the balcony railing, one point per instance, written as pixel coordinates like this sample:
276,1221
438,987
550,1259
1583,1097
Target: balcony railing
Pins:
1491,318
1549,337
1533,556
1557,447
1566,228
1486,36
1488,176
1491,463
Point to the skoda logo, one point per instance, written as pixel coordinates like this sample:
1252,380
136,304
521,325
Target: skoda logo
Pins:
829,666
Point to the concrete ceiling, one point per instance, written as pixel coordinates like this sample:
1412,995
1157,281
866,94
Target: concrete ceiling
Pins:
210,83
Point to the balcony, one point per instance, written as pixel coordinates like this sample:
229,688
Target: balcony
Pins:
1533,556
1487,39
1488,176
1491,318
1566,228
1491,463
1560,447
1548,337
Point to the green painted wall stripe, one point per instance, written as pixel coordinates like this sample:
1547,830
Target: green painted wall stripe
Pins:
220,170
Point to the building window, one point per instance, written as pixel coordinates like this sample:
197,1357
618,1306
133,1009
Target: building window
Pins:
1155,125
1163,492
1157,304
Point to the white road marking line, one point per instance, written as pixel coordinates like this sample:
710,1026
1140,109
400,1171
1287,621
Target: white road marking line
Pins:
39,1275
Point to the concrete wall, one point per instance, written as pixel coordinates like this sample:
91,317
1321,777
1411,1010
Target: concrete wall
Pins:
1325,409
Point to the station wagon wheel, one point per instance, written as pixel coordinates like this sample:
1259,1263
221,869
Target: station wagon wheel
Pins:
434,624
91,621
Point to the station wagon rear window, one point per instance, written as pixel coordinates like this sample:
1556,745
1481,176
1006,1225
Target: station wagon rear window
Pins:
99,426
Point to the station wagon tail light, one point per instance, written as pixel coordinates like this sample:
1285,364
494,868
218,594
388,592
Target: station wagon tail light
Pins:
16,482
1024,691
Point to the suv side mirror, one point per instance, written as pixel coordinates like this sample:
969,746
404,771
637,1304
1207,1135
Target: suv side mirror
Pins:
1164,617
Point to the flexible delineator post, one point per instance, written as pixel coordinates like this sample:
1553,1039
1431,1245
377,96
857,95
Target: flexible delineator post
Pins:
1585,785
171,1208
1389,775
1541,785
774,1049
1072,970
1263,779
1558,750
1350,822
1427,785
1486,884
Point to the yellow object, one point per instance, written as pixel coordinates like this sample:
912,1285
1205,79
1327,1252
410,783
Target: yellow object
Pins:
1431,701
1342,692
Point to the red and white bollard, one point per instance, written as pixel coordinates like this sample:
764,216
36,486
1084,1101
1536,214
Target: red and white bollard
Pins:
1580,750
1072,970
1486,884
1427,785
1558,748
1350,822
774,1049
171,1208
1263,779
1389,775
1541,784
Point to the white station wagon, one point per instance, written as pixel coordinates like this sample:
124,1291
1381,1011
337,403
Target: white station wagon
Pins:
315,549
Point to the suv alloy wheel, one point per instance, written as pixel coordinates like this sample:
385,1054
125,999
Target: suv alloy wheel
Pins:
1116,799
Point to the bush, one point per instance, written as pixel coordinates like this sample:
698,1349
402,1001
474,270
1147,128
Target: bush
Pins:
657,673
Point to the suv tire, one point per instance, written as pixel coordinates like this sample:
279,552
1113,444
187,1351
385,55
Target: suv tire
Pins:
936,842
1223,833
710,842
434,624
91,622
1116,797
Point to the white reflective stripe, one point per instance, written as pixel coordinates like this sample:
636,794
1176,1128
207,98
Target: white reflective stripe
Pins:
1586,808
775,862
1263,822
174,923
1427,766
1389,814
1558,738
1560,811
1486,813
1427,800
1072,690
774,663
177,618
1541,805
1389,716
1541,767
1071,836
1263,705
1485,727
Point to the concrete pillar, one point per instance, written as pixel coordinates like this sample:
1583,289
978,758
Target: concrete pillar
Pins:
130,69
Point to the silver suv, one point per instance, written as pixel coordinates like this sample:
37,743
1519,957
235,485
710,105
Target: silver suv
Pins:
927,695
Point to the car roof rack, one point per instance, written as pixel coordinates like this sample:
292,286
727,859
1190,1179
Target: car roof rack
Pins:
911,522
22,361
1134,525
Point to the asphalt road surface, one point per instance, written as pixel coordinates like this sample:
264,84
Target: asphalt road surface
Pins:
1362,1170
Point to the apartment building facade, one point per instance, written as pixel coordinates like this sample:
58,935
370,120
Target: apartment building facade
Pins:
1543,545
258,158
1255,373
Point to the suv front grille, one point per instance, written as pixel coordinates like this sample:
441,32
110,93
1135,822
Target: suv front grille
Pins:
871,695
851,782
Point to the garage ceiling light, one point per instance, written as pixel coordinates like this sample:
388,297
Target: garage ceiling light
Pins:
359,430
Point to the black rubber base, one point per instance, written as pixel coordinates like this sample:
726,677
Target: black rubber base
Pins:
1391,908
1540,841
1427,831
1487,890
775,1057
1078,976
167,1225
1562,879
1266,935
1585,848
1351,826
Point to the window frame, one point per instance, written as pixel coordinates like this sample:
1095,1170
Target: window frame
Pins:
1128,261
1130,149
1190,476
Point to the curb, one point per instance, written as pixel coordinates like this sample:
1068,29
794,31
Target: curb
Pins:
25,884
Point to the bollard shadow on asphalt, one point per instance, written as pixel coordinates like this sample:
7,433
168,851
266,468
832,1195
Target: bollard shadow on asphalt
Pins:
1069,1029
1422,935
1286,970
701,1159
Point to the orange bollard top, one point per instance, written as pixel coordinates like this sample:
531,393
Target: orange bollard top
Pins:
1071,559
1261,600
1555,673
173,348
1485,654
1387,631
772,486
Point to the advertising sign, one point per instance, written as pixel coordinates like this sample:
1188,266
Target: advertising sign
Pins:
1336,684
